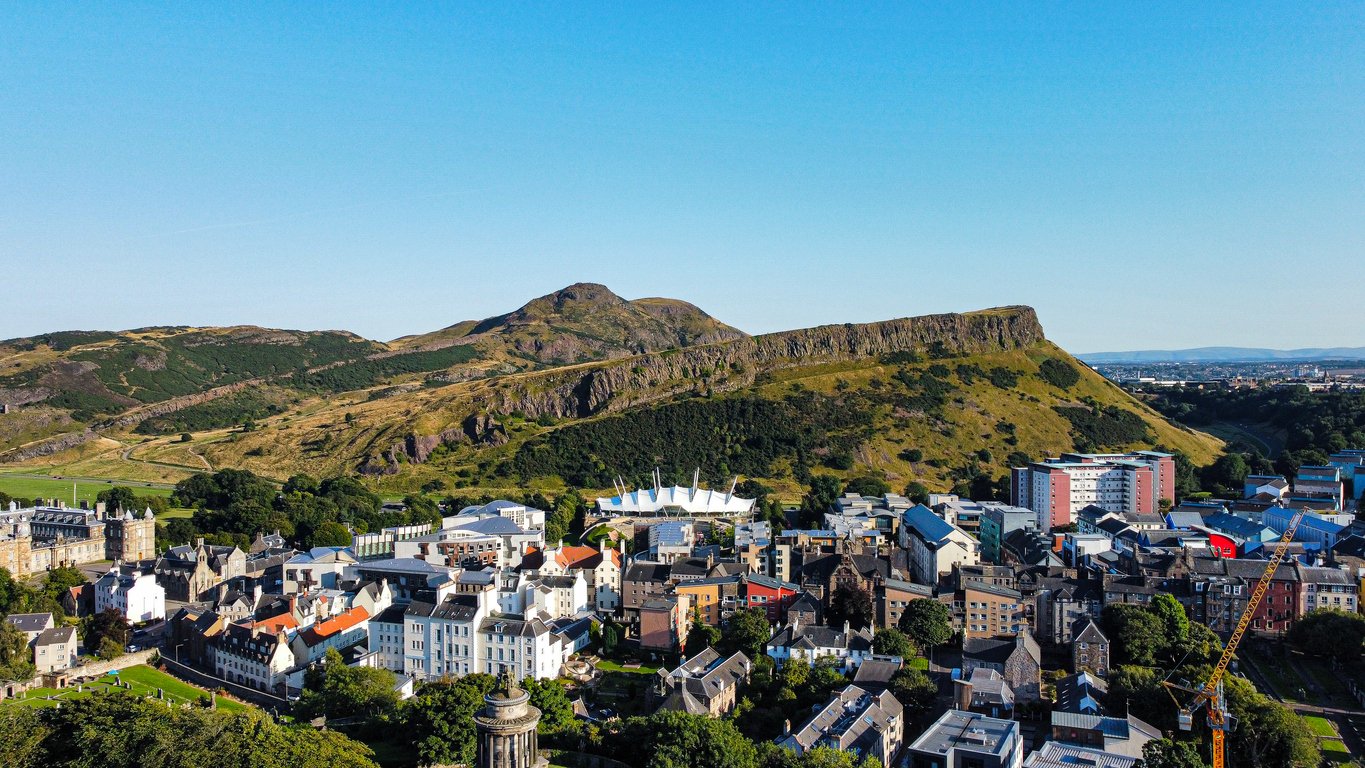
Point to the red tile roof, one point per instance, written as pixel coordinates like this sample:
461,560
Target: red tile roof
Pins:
320,632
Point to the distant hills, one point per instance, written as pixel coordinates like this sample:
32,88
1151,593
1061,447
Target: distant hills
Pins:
574,388
1225,355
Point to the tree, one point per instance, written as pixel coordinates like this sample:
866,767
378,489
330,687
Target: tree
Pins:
337,690
868,485
549,696
611,637
1331,633
107,624
14,653
1136,634
824,490
682,740
330,534
917,492
1165,753
1268,733
850,603
701,636
893,642
1228,472
914,690
440,718
420,510
1172,616
927,622
748,632
118,499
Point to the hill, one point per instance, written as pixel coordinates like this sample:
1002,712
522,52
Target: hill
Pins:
940,399
1225,355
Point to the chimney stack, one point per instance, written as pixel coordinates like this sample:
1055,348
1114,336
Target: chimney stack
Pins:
962,694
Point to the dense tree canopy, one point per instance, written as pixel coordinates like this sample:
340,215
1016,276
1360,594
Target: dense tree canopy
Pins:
748,631
336,690
114,730
927,622
1330,633
850,603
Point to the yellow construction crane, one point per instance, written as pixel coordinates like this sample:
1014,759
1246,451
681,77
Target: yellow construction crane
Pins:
1211,693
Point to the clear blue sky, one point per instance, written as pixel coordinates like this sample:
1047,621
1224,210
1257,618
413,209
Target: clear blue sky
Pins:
1145,175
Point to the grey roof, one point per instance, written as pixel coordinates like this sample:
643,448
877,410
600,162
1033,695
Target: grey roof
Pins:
1057,755
491,526
968,732
30,622
852,720
644,570
874,674
1081,692
813,637
56,635
512,625
695,682
453,608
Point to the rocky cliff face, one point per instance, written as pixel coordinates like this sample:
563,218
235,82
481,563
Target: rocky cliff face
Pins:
587,390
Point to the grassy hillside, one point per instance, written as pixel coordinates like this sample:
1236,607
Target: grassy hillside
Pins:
500,404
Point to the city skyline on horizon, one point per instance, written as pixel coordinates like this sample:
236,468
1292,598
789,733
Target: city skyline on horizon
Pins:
1192,174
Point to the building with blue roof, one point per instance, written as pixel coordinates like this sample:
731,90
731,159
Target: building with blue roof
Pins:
934,546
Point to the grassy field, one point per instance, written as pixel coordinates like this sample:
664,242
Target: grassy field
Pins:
611,666
1320,726
86,490
143,680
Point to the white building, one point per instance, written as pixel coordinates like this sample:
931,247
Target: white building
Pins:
259,659
671,540
548,597
55,649
675,501
132,592
810,643
527,518
934,546
340,632
318,567
600,566
465,633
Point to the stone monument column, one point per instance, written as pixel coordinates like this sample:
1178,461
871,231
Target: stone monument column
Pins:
507,728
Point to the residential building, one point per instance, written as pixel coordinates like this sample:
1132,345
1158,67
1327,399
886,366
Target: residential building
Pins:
524,517
1058,488
811,643
254,657
1018,659
857,721
643,581
31,624
1056,755
322,567
934,546
714,600
960,739
190,573
707,684
55,649
986,692
131,591
339,632
997,521
1274,486
894,595
1089,648
773,596
989,611
600,566
408,576
664,622
1319,483
1114,735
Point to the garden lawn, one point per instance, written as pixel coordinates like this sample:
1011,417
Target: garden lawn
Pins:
1320,726
611,666
144,681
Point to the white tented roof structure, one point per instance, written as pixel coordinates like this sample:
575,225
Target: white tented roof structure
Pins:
675,501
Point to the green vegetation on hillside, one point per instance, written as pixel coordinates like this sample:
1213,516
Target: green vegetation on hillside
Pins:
367,373
237,408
